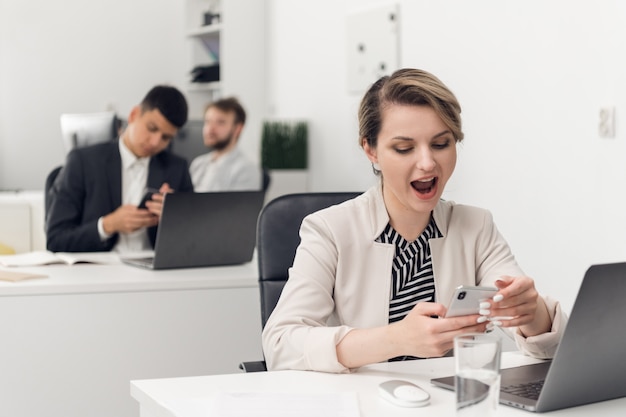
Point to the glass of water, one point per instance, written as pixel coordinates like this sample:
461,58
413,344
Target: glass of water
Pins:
477,374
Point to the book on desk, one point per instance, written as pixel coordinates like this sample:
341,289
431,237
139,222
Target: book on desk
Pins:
40,258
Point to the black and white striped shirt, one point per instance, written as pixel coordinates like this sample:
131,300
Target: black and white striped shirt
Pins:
412,279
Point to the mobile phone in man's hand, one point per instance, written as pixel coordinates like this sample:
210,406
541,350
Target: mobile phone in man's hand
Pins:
146,197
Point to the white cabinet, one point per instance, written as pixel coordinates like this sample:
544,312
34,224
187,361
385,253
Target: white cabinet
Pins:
22,221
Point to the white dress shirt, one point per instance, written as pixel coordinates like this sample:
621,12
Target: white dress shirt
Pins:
134,180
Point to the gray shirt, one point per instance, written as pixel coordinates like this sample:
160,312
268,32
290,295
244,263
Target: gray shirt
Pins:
230,172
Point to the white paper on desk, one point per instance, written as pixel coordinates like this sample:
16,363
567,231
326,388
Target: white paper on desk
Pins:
40,258
268,404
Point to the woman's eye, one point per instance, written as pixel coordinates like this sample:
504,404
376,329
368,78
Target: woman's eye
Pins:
441,145
403,150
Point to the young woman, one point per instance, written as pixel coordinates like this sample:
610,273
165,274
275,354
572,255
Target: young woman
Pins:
372,276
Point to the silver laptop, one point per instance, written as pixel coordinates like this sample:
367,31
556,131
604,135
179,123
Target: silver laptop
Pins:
590,362
205,229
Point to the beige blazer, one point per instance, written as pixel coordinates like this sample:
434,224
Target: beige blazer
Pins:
341,279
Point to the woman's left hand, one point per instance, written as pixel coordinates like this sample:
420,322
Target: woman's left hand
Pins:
518,304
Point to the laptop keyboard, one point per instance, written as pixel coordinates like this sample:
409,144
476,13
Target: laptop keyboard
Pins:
528,390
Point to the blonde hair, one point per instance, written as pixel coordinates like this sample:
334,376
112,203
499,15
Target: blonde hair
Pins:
407,86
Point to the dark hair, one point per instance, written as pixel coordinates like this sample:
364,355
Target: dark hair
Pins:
169,101
228,105
409,87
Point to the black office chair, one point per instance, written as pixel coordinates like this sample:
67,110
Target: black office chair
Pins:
49,190
278,237
267,178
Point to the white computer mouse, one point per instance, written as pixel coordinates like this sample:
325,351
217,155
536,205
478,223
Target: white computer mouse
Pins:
403,393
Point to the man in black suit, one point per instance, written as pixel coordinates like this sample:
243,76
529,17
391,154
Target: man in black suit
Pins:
97,193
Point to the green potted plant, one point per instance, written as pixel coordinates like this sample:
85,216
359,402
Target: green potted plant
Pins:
284,145
284,155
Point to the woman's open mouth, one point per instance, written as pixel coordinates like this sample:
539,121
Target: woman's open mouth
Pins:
425,186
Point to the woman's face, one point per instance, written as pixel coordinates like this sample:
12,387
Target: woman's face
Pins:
416,154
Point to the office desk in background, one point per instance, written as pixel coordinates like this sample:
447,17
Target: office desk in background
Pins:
167,397
71,342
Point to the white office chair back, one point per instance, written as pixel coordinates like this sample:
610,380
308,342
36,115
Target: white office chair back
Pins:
83,129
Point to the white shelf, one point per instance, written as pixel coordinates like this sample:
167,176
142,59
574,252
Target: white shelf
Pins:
205,46
210,30
204,87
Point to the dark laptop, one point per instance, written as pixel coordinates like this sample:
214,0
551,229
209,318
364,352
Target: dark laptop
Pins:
205,229
590,362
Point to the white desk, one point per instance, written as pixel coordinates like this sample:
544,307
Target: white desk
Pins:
153,394
71,342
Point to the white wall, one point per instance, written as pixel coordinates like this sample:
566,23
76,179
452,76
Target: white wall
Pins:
531,77
77,56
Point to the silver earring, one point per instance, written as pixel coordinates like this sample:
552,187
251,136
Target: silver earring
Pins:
376,168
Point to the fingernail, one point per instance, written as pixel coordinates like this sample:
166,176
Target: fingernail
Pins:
481,319
489,327
485,304
498,297
483,312
496,323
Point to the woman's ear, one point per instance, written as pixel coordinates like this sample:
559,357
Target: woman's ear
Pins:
369,151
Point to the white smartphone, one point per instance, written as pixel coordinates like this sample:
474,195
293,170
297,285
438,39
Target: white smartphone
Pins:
466,300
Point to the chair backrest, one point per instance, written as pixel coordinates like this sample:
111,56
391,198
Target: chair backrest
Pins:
278,237
267,179
78,130
188,142
49,190
83,129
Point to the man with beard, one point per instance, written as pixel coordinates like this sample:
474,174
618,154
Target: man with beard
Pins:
224,167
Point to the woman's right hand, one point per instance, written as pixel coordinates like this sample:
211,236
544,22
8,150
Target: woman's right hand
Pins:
422,333
426,333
